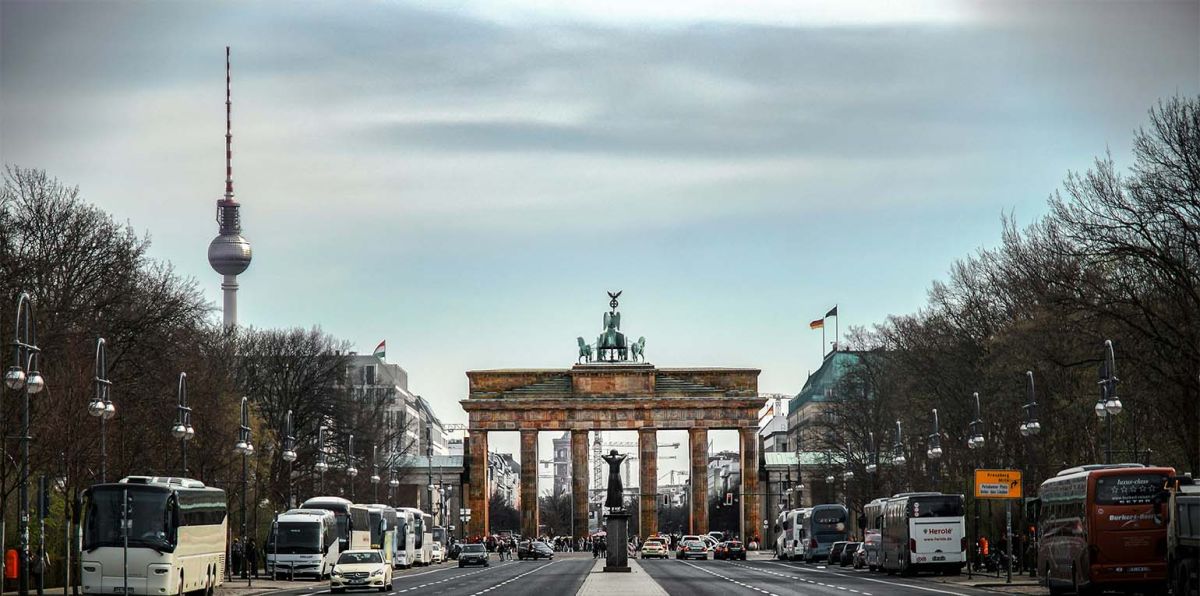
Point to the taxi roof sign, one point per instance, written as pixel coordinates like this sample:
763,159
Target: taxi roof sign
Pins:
998,484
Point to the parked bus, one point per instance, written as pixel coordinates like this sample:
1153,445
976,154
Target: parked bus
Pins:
782,525
790,536
383,531
1183,537
406,540
360,527
175,531
873,513
820,527
923,531
341,512
422,550
302,542
439,536
1104,527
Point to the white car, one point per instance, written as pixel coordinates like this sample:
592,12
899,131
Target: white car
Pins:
439,555
360,570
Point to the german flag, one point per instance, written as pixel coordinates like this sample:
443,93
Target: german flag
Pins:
817,324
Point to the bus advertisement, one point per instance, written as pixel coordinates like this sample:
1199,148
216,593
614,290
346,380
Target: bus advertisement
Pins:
923,531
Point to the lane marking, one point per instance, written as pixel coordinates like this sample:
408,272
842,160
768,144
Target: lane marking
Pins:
452,578
729,579
871,579
514,578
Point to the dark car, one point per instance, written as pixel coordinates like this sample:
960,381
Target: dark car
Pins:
690,549
534,550
835,553
731,550
473,554
848,553
454,550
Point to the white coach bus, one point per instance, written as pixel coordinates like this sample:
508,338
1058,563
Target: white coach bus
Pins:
406,540
302,542
175,533
360,527
790,535
923,531
422,528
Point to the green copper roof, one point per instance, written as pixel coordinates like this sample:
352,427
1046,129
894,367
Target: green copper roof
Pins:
819,384
778,459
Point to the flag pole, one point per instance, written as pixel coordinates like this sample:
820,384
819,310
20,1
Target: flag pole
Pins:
837,334
822,339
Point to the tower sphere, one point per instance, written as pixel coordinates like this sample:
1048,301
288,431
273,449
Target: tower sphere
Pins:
229,254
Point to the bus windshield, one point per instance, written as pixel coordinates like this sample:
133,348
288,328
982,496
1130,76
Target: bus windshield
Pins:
401,533
343,526
829,521
150,515
439,534
376,529
1128,489
943,506
296,538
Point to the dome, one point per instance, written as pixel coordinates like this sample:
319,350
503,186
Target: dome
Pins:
229,254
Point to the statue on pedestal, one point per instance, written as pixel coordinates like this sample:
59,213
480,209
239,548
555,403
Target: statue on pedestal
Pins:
615,498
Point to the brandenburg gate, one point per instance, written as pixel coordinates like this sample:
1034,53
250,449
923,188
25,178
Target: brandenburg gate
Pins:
611,387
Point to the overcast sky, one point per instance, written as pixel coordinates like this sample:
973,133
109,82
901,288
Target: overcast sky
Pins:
466,180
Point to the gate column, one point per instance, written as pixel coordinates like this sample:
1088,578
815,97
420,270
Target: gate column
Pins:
579,481
477,497
648,480
529,478
698,444
751,509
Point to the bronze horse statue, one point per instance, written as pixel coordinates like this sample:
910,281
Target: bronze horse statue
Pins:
637,349
585,351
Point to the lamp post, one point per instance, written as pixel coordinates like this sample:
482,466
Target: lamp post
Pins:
975,443
245,447
351,471
322,465
1109,404
289,455
183,424
935,451
101,405
23,376
393,484
898,458
375,470
847,476
1029,429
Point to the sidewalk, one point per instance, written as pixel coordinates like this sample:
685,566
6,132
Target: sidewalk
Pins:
237,586
599,583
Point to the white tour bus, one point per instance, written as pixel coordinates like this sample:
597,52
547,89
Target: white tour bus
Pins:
360,527
820,527
422,551
383,531
302,542
923,531
176,529
341,511
873,512
405,540
789,535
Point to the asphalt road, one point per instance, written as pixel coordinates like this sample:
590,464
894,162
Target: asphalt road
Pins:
775,578
560,576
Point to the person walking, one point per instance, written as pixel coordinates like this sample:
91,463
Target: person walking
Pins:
235,557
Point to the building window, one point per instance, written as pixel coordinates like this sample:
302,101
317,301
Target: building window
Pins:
368,374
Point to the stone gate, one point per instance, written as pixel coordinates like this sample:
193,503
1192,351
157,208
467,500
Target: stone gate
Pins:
612,393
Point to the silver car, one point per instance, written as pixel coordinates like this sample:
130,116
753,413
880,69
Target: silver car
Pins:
473,554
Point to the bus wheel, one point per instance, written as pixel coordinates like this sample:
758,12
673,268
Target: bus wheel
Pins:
180,591
209,583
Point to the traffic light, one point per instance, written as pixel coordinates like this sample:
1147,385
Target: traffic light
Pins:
728,499
666,499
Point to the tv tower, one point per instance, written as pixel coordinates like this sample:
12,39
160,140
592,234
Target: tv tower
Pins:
229,252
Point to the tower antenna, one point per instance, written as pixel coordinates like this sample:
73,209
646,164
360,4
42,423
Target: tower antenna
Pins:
228,131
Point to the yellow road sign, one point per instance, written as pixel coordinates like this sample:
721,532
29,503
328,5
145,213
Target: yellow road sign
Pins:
997,484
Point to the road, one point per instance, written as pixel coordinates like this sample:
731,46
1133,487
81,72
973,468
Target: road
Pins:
755,577
560,576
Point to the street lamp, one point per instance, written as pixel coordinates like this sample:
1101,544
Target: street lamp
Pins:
393,484
935,451
1109,404
101,405
245,447
976,441
898,447
23,376
351,471
872,454
465,515
322,465
183,424
375,470
289,454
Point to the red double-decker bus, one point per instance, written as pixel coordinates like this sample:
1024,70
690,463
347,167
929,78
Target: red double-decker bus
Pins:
1104,527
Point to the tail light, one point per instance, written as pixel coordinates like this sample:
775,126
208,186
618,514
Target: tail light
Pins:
812,543
962,544
912,545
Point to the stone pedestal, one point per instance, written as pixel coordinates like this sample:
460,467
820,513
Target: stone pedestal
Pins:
618,542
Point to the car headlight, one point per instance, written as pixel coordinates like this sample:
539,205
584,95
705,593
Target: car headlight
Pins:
377,572
335,573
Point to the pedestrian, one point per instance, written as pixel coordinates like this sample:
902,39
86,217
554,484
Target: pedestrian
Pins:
235,557
252,557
